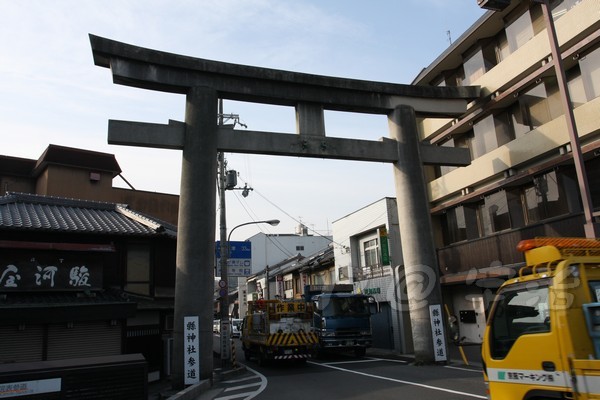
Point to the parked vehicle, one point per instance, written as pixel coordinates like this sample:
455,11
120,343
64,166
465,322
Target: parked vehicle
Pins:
278,330
342,319
542,338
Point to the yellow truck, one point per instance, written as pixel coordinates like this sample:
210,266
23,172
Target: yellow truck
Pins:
542,338
278,330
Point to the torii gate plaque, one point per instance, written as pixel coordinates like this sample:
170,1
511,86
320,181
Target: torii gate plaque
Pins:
203,82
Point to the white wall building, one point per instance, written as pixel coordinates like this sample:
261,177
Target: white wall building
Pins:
368,254
273,248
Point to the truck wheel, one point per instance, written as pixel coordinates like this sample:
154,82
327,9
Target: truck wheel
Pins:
317,354
360,351
262,360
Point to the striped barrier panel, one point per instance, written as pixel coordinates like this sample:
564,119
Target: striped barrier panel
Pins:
292,339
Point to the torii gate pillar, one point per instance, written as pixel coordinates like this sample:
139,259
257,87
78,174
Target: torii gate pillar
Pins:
418,249
196,228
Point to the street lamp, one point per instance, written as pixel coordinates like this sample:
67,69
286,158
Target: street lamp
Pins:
224,284
272,222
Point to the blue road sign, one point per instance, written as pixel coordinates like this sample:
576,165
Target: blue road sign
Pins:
239,262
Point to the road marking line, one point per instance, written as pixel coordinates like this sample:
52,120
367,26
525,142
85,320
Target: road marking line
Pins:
463,369
350,362
237,396
229,389
402,381
263,383
390,360
240,380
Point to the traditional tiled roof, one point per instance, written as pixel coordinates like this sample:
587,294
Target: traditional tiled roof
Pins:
21,211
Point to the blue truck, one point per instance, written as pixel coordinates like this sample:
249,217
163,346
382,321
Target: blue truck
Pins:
341,318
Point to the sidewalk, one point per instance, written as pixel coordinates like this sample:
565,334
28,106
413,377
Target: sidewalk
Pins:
202,391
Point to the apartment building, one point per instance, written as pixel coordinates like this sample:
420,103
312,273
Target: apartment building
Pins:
522,181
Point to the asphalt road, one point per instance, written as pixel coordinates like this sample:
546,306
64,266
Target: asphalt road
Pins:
345,377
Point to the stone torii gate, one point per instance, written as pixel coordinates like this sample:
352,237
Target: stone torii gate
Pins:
203,82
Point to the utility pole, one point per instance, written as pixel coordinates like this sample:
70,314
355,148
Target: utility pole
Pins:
224,185
224,282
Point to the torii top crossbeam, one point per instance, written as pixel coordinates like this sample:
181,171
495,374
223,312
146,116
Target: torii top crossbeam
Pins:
157,70
309,94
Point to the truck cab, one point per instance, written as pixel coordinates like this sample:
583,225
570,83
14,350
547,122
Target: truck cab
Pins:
542,338
342,320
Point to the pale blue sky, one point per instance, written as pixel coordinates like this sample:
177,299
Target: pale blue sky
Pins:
51,92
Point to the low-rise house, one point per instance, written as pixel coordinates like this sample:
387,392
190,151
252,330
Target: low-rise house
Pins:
82,278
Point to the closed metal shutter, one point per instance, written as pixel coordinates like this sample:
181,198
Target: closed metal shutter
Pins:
21,344
83,339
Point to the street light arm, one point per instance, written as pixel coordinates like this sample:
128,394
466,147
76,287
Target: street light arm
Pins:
272,222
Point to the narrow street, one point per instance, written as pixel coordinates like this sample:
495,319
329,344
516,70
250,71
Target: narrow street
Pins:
345,377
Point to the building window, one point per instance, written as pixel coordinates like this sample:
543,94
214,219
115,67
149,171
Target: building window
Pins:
455,77
460,141
299,248
343,273
138,269
545,198
288,285
560,7
519,31
474,67
460,224
486,138
494,213
371,253
590,73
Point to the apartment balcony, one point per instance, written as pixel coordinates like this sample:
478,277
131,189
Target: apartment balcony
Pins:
500,250
371,271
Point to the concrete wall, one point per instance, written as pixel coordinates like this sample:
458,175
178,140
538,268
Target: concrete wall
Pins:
272,249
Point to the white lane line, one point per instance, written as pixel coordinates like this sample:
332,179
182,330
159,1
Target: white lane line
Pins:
229,389
240,380
235,396
368,359
389,360
351,362
263,383
246,395
463,369
403,382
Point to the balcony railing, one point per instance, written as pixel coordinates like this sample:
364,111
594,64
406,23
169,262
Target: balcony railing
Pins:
371,271
501,248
